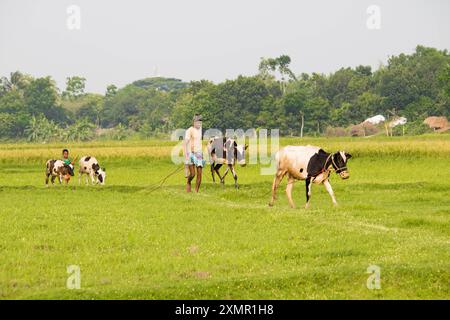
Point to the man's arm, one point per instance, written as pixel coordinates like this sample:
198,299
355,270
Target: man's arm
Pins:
186,144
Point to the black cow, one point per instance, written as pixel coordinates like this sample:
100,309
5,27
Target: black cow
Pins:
225,151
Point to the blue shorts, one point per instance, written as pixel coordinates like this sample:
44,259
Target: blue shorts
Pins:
196,158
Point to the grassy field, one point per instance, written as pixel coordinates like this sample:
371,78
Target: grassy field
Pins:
134,243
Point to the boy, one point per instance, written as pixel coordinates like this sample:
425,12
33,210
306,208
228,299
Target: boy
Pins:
193,155
67,161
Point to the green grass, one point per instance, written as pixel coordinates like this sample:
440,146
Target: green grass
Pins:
132,243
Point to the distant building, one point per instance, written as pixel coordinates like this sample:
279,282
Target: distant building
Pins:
376,119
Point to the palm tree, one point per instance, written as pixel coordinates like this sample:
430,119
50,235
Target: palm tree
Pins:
41,129
32,130
16,81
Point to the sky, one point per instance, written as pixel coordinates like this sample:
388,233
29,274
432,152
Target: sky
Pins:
120,41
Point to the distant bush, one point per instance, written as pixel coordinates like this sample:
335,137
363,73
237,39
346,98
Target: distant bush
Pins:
412,128
336,132
119,132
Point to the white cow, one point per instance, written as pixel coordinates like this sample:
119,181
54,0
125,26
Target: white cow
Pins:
308,163
89,166
397,122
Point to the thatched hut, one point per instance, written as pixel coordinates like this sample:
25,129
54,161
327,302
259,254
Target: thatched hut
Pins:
438,124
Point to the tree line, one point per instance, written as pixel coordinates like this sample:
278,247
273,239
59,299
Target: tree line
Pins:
413,85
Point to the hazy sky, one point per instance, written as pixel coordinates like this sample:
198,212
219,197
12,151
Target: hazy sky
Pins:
124,40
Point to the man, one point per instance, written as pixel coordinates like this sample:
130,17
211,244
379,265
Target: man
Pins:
193,155
67,161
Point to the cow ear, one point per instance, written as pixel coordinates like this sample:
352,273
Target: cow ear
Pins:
348,155
246,146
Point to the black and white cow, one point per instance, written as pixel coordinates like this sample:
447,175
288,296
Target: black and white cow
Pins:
56,168
311,164
89,166
225,151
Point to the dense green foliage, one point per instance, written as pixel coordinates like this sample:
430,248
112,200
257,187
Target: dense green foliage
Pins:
414,86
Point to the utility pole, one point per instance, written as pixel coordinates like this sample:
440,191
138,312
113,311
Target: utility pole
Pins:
303,122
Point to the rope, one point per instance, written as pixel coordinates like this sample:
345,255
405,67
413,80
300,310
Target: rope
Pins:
162,181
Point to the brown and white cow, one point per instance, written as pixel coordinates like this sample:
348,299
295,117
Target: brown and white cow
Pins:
225,151
57,168
89,166
311,164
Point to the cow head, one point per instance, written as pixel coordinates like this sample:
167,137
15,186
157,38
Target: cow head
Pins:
239,151
339,163
99,173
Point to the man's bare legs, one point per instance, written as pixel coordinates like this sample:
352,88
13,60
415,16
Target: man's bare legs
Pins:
190,177
199,179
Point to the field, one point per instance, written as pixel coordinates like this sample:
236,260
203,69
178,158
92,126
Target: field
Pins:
132,241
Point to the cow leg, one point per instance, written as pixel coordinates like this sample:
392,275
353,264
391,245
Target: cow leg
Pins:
276,182
212,172
53,179
92,178
330,190
216,169
308,191
290,185
47,177
60,178
233,171
222,179
79,177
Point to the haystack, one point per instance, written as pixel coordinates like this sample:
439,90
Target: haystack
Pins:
363,129
438,124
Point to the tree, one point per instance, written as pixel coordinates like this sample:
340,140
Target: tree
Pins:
74,87
91,109
41,97
200,97
111,91
161,83
81,130
6,125
40,129
280,64
12,102
16,81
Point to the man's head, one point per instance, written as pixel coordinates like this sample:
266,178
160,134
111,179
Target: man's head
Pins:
65,153
197,121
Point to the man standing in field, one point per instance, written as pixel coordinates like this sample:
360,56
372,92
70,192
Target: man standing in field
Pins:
193,154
